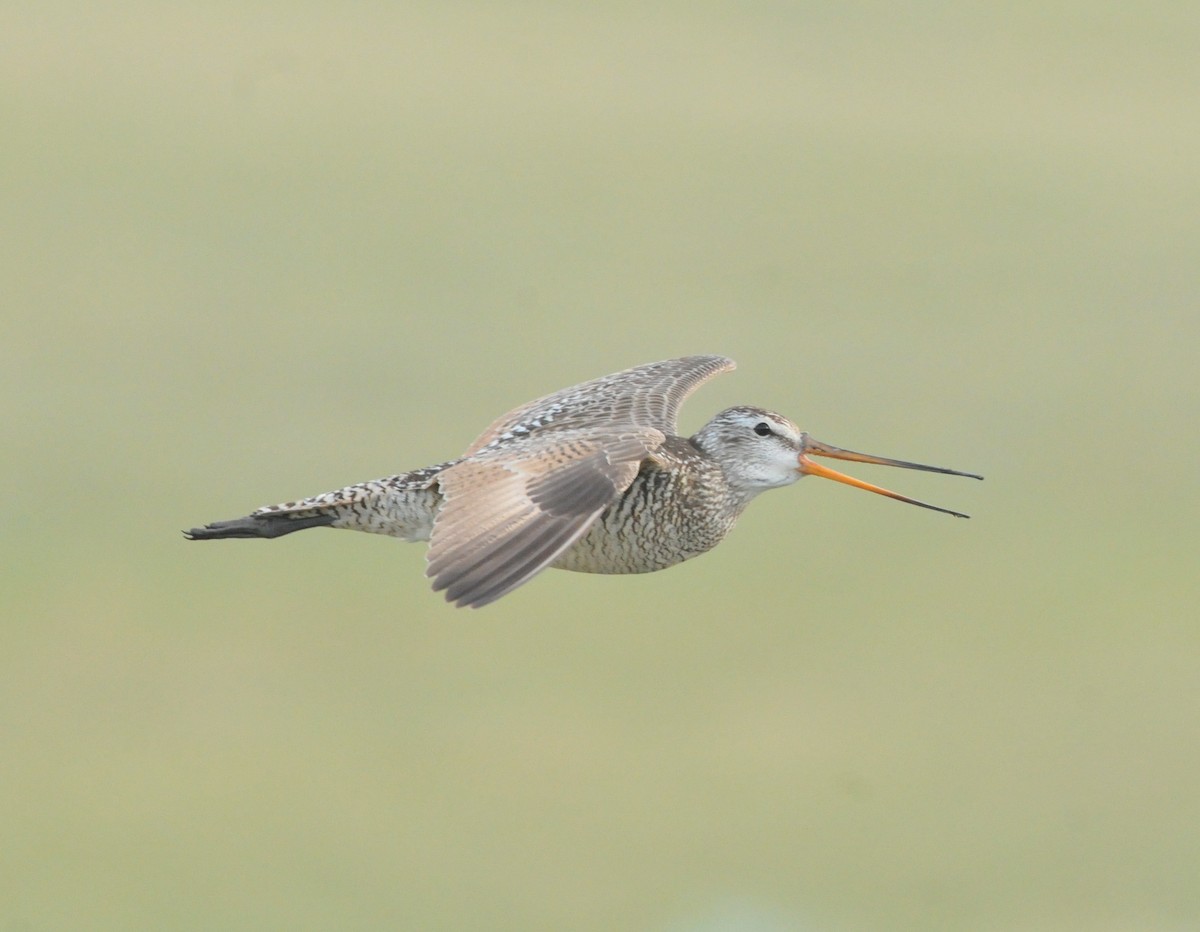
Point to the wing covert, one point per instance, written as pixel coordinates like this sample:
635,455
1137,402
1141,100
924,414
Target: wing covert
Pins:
647,396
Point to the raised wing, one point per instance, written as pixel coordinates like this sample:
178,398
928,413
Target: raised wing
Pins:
509,512
646,396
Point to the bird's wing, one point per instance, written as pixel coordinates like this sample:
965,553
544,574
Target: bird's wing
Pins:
644,396
508,513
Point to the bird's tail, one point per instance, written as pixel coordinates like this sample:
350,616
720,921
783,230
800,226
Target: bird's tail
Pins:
399,506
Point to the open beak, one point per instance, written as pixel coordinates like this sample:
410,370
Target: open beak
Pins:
816,448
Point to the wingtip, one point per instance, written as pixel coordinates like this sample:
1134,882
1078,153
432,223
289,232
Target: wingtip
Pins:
463,600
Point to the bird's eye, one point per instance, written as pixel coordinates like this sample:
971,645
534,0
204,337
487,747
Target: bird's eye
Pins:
763,429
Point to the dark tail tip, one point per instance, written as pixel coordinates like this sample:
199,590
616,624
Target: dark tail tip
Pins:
266,526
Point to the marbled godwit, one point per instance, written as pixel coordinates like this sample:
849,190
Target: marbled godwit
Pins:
592,478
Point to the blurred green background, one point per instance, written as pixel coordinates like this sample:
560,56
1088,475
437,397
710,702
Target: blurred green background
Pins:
257,251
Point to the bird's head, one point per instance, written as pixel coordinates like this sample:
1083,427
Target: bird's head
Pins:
759,450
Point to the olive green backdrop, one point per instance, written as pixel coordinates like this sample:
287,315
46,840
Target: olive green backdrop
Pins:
256,251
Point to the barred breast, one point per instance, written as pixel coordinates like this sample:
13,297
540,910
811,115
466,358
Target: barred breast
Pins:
672,511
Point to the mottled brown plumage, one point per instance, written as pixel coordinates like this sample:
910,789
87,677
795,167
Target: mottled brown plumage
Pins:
592,478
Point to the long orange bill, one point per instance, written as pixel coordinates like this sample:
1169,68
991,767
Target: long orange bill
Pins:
816,448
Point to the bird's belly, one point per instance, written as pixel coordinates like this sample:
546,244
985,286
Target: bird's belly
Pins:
610,556
613,546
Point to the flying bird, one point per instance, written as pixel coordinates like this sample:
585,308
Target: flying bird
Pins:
592,478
